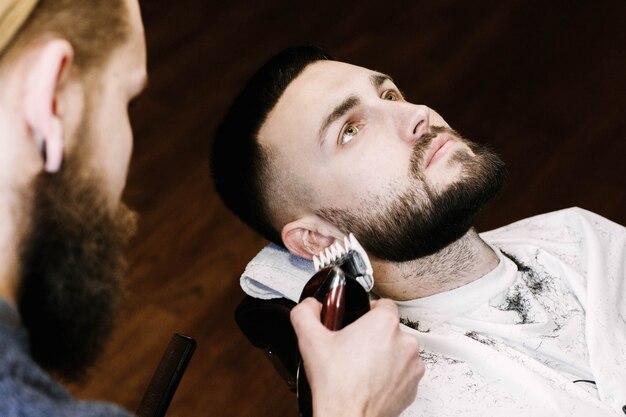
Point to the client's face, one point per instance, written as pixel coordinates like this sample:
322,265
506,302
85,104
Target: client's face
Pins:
72,266
391,172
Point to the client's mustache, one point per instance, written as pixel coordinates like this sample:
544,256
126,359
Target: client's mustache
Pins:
425,140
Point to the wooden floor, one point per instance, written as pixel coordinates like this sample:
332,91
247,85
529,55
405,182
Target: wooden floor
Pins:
543,82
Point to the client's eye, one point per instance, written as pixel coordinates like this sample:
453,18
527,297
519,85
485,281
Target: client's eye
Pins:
347,134
390,95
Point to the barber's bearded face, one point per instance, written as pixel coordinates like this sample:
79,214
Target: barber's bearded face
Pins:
72,266
402,225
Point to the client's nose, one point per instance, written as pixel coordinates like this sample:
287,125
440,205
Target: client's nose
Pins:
416,124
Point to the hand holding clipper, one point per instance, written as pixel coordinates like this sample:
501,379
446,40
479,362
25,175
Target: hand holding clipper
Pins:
343,279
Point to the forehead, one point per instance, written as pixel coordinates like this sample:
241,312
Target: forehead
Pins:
325,76
309,98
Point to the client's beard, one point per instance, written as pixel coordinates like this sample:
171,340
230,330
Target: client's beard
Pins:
71,270
419,221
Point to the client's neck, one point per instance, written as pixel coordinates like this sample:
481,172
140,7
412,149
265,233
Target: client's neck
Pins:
459,263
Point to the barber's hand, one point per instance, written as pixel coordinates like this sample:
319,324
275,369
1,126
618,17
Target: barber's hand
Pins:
369,368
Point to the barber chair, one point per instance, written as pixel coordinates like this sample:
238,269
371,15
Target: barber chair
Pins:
266,325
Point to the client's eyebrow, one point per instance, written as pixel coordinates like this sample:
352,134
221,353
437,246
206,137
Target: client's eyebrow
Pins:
376,79
343,108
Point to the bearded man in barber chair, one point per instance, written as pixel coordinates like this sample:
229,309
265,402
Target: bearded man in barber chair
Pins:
524,320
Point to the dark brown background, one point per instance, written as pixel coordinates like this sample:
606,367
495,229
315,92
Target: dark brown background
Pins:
541,81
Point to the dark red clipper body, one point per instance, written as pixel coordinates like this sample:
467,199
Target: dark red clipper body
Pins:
343,301
334,305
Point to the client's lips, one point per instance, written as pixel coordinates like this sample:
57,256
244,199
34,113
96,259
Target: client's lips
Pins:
437,149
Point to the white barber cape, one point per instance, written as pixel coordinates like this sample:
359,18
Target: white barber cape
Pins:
543,334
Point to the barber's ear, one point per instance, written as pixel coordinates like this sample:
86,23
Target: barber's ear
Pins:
308,236
46,75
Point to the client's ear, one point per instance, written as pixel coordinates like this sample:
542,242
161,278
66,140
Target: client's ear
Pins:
308,236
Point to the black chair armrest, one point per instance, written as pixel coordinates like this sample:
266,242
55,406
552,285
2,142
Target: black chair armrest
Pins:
266,324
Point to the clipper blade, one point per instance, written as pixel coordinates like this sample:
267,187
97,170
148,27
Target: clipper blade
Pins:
351,257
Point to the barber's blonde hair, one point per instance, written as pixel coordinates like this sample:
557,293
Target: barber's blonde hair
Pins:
13,14
93,27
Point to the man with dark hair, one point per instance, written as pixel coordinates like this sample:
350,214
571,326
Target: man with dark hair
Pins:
523,320
243,182
68,69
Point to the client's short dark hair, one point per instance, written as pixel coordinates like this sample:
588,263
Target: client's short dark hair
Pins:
240,168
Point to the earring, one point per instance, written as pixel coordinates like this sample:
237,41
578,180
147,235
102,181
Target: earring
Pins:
41,144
